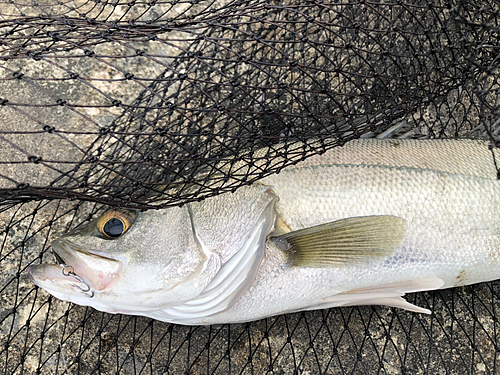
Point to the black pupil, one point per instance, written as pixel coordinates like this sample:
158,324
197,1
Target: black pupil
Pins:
113,228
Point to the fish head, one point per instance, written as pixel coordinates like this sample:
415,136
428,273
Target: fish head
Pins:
126,262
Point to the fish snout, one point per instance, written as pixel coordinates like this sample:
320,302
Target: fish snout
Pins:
30,274
48,276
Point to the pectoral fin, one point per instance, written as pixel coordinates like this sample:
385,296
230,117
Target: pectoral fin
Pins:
357,240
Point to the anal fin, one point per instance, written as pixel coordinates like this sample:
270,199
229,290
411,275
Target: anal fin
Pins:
397,302
387,295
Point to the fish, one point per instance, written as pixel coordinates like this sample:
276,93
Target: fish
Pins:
361,224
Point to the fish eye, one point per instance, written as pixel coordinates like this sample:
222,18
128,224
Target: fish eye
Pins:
112,224
113,227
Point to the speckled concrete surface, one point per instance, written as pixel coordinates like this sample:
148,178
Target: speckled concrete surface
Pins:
39,334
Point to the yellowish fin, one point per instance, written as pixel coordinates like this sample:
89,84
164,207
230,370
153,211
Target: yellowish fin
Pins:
357,240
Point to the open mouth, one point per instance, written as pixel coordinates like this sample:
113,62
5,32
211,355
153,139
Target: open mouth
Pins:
77,270
59,260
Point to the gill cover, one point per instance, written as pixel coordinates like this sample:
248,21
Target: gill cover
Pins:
232,230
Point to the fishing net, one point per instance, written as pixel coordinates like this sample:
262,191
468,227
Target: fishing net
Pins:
149,104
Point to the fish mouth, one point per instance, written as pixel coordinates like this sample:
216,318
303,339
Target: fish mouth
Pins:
77,270
59,260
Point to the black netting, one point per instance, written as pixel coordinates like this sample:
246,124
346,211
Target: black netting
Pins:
150,104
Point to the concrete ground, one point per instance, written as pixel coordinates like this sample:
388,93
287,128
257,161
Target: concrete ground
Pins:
40,334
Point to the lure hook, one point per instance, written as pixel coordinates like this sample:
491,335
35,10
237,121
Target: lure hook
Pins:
70,271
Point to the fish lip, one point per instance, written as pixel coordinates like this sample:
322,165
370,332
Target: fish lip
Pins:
46,276
30,274
51,278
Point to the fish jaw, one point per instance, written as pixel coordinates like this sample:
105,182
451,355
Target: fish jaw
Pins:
51,278
96,271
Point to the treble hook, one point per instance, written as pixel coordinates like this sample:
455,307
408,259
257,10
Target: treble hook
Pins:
70,271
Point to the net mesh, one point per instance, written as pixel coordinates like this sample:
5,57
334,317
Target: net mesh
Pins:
151,104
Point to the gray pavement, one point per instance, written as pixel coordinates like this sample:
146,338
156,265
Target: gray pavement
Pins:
39,334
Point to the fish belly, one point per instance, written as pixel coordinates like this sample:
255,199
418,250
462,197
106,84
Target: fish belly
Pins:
447,191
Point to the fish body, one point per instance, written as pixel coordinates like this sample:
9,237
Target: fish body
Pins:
373,220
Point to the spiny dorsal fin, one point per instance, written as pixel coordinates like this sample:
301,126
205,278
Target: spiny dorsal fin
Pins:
344,242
